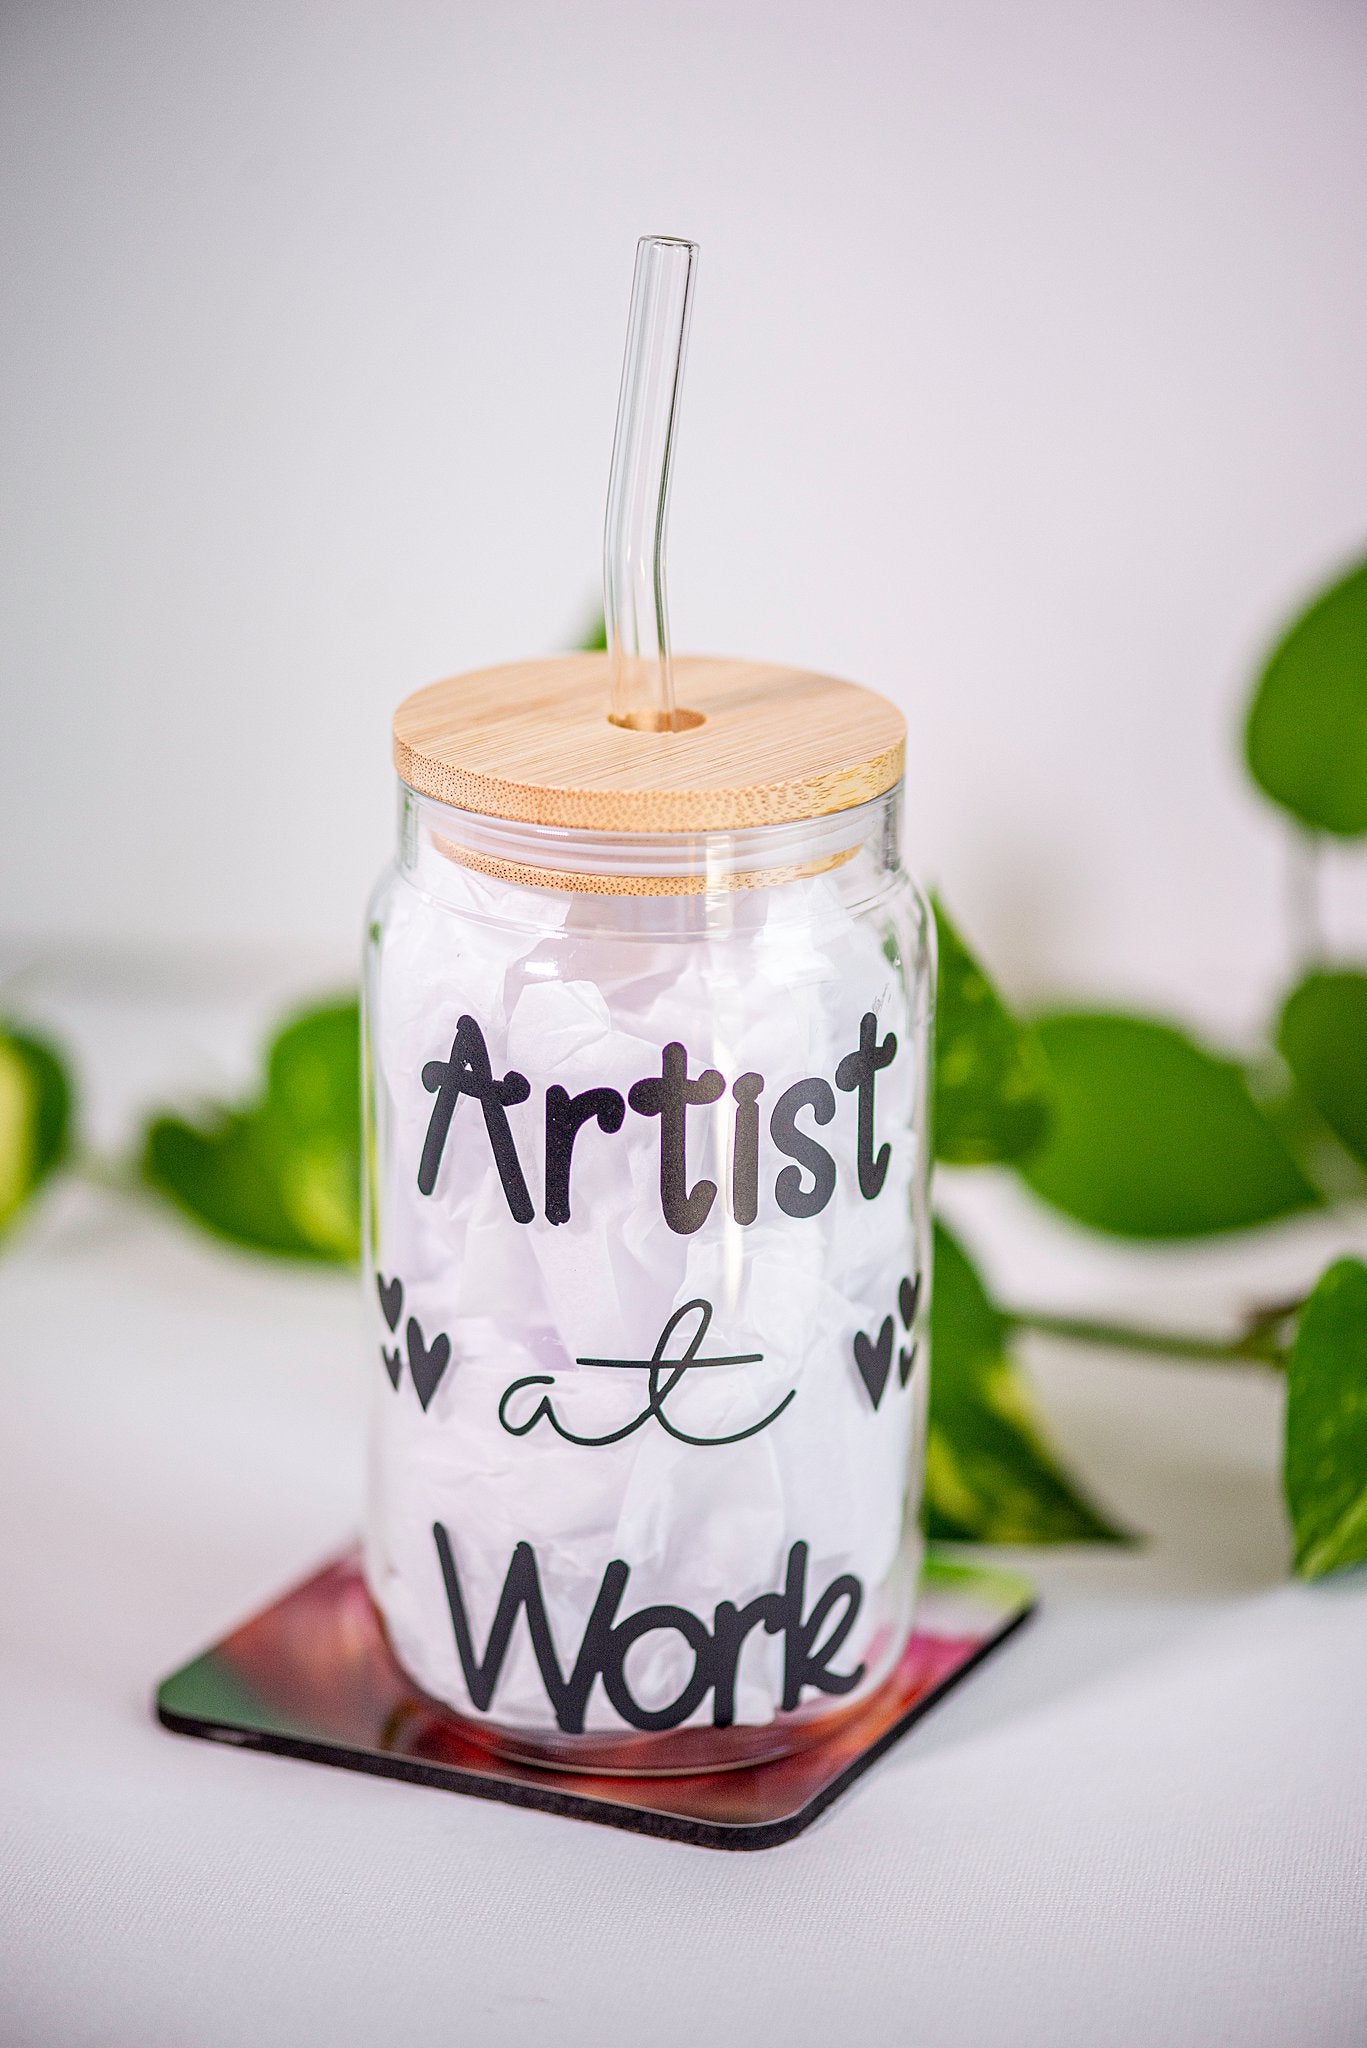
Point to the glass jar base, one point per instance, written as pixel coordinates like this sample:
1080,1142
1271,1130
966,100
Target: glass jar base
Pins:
682,1753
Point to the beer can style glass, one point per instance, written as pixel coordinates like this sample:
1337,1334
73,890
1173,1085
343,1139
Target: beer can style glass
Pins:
647,1025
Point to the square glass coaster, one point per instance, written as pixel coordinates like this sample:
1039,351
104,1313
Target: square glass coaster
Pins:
313,1676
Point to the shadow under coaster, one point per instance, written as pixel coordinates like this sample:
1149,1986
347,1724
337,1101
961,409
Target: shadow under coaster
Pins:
313,1676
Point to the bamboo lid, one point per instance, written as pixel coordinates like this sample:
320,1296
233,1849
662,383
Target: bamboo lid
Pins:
531,741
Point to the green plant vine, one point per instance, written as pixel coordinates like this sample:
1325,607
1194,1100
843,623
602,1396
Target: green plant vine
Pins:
1126,1125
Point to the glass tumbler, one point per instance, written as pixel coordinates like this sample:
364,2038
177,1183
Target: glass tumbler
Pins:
647,1243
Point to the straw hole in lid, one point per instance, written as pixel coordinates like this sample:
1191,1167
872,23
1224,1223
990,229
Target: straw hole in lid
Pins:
677,720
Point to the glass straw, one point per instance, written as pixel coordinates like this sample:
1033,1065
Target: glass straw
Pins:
634,610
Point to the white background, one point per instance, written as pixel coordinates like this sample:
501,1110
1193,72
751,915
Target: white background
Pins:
1026,385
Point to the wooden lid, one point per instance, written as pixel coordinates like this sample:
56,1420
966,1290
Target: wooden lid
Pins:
532,741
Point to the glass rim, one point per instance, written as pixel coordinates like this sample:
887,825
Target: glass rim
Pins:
693,862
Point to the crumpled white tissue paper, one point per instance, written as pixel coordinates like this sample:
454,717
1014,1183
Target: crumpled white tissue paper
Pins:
585,992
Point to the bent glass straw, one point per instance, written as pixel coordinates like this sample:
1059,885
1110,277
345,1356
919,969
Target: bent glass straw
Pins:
634,610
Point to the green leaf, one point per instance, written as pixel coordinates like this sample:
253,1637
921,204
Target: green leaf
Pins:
991,1083
990,1475
1155,1137
281,1174
595,640
1322,1037
35,1118
1307,726
1325,1471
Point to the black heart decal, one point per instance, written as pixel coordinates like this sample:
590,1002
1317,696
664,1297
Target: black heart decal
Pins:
905,1361
391,1299
874,1360
908,1294
393,1364
426,1364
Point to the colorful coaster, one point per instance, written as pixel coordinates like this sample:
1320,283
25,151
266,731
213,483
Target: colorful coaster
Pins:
313,1676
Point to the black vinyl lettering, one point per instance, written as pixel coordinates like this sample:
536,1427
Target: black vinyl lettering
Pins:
788,1189
467,1072
522,1589
857,1071
802,1665
670,1096
730,1626
801,1190
607,1642
566,1116
745,1151
694,1633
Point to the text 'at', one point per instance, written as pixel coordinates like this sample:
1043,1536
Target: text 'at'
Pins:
668,1095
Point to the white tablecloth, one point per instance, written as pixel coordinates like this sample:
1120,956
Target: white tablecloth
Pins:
1143,1822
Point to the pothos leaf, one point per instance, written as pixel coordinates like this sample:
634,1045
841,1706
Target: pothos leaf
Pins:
1322,1036
1325,1469
1307,726
35,1118
281,1174
991,1083
1153,1136
990,1475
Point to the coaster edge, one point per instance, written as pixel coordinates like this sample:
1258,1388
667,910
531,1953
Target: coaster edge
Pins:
648,1821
